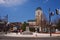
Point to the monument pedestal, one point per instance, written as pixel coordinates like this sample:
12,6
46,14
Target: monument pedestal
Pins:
27,32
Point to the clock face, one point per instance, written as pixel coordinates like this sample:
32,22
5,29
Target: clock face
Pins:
38,12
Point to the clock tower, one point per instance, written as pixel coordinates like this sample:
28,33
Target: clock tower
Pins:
38,17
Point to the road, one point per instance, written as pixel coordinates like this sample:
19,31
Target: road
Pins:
28,38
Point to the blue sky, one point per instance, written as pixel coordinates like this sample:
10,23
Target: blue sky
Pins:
23,10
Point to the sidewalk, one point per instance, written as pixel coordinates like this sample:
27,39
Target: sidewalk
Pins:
34,35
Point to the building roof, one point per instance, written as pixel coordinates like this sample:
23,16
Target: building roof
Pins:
31,20
39,8
2,22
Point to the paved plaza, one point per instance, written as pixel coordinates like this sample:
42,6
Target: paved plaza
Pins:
29,38
14,36
32,35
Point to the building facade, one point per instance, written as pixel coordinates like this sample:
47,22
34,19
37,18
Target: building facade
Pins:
39,18
39,21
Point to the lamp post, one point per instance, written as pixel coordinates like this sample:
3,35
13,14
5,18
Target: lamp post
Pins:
52,14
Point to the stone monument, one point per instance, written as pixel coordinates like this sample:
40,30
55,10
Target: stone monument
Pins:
27,29
27,32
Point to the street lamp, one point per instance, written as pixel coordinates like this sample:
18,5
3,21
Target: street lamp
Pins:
52,14
57,11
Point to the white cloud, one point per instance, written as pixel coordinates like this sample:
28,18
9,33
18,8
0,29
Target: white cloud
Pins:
45,1
12,2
